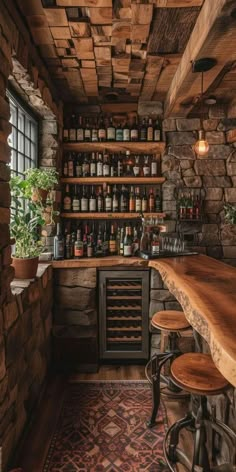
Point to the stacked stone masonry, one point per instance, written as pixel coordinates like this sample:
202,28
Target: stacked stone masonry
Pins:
215,175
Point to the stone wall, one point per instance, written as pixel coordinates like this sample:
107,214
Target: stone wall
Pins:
75,327
215,175
25,352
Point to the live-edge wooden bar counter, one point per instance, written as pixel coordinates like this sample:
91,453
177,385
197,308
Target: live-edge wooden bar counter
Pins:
206,290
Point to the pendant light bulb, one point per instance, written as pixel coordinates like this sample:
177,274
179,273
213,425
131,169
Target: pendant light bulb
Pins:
201,147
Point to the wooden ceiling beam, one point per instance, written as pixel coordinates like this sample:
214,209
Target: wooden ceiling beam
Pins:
214,35
178,3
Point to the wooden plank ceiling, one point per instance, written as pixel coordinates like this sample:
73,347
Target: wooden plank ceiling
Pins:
104,51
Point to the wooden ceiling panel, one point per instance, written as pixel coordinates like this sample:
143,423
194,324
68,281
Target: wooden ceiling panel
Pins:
94,48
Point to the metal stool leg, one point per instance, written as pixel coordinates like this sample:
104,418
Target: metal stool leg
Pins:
200,456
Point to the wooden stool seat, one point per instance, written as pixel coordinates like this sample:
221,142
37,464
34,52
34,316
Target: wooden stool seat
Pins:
170,320
197,373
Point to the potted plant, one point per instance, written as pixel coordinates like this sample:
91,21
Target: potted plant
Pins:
26,219
39,182
230,213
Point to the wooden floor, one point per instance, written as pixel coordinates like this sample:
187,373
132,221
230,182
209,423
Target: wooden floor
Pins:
33,451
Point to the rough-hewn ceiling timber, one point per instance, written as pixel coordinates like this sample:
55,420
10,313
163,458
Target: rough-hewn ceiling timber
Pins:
103,51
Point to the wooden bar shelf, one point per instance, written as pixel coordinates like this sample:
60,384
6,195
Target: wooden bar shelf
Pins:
113,180
149,147
108,216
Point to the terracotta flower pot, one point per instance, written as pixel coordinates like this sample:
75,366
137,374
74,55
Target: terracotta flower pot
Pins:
25,268
39,194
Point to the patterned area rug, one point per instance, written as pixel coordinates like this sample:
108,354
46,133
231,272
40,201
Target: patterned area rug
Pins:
102,428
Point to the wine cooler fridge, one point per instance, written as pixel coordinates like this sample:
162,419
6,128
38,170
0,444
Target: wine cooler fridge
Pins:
123,314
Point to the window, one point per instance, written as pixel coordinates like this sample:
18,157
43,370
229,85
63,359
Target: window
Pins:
23,139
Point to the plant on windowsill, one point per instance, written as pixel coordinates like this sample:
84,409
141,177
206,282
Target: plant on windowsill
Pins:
26,220
230,213
40,182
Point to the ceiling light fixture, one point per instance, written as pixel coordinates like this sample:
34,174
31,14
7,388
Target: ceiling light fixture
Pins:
201,147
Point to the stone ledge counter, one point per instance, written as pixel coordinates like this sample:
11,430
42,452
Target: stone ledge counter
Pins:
206,290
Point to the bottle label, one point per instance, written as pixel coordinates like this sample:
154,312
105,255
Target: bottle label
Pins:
127,250
90,251
106,170
115,205
72,134
154,168
75,205
144,205
100,204
126,134
135,247
65,134
111,134
119,134
80,134
138,205
99,169
102,134
65,169
78,251
84,204
131,205
87,134
121,248
150,134
67,203
112,246
134,134
155,249
93,169
78,170
108,203
157,135
92,204
70,169
136,170
146,171
59,249
143,134
94,134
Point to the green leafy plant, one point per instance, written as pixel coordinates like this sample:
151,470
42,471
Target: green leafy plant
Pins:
44,179
230,213
26,218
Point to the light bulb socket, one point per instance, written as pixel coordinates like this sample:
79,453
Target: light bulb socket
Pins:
201,135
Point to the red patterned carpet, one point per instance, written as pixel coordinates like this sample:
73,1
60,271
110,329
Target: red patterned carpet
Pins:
102,428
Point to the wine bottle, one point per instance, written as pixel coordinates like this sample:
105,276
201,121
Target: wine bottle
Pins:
123,200
158,206
127,242
100,201
105,244
99,165
131,200
72,131
78,246
67,199
151,201
154,166
80,131
76,200
108,200
115,200
87,131
134,135
95,132
93,165
101,130
119,133
58,244
146,167
78,165
144,201
136,168
92,201
138,201
157,131
150,132
143,130
126,132
84,200
70,164
111,131
112,241
106,165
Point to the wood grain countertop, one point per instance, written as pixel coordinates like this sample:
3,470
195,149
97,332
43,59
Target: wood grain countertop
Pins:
206,290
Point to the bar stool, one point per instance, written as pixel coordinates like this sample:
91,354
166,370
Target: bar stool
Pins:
198,375
175,323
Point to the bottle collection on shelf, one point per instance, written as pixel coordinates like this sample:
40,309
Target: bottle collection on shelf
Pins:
105,240
97,164
189,206
110,199
85,129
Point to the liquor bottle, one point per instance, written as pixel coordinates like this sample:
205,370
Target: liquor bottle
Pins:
135,247
118,241
68,248
80,131
101,130
119,133
85,239
92,171
100,201
90,246
73,239
78,246
112,241
76,200
108,200
106,165
111,131
134,134
138,201
123,200
197,208
94,134
65,134
78,165
99,165
105,243
72,131
151,201
65,166
144,240
136,168
113,168
99,244
67,199
157,131
84,203
189,207
143,130
129,164
182,207
158,205
120,167
154,166
87,131
150,132
115,200
70,164
122,234
126,132
155,245
86,166
58,244
146,167
144,201
131,200
92,201
128,242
